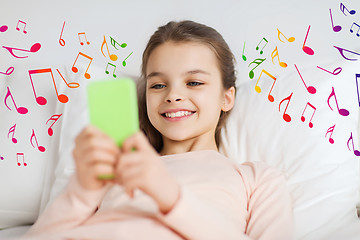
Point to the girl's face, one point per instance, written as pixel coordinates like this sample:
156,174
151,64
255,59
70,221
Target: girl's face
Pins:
184,92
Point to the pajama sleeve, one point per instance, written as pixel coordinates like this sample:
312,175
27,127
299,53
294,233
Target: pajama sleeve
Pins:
69,210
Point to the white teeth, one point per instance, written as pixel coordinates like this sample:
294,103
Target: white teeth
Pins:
177,114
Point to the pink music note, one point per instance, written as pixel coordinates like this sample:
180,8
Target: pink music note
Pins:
1,158
331,131
42,100
107,72
34,48
357,33
302,115
114,43
356,152
286,116
124,61
341,51
258,89
266,42
274,54
21,110
335,28
81,42
75,70
257,61
290,39
310,89
17,26
41,148
62,41
307,49
113,57
342,111
343,8
54,118
70,84
3,28
12,130
357,76
20,155
335,72
9,71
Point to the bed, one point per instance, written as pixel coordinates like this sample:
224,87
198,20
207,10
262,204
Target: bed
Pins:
297,104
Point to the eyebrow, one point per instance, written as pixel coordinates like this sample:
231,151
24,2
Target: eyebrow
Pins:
191,72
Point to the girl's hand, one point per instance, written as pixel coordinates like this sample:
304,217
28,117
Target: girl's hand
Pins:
95,154
139,166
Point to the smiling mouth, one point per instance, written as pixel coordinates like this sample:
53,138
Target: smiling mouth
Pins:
178,114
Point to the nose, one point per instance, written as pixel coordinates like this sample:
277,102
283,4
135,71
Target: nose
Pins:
174,95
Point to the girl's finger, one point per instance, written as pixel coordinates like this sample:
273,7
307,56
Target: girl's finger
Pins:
138,141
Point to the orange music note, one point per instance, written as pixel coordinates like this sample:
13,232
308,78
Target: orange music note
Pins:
75,70
342,111
302,115
20,155
343,8
114,43
107,72
335,72
341,51
307,49
286,116
335,28
290,39
17,26
266,42
257,61
41,148
34,48
12,130
70,84
274,54
356,152
113,57
124,62
331,131
81,42
258,89
62,41
54,118
357,33
42,100
21,110
310,89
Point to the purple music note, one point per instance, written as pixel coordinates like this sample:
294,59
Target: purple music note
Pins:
343,111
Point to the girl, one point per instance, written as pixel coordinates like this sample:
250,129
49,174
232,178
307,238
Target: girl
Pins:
175,185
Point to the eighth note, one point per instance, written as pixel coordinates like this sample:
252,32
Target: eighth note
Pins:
124,62
266,42
343,111
290,39
274,54
286,116
106,70
331,131
41,148
81,42
20,155
335,28
243,56
357,33
75,69
12,130
257,61
17,26
54,118
21,110
302,115
258,89
356,152
34,48
341,51
342,8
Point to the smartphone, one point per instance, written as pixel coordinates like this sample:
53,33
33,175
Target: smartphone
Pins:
113,109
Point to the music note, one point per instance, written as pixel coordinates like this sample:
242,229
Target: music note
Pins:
3,28
335,72
342,111
34,48
39,99
9,71
20,155
258,89
343,8
257,61
310,89
335,28
1,158
303,117
81,42
113,57
307,49
266,42
62,41
17,26
21,110
357,76
274,54
54,118
75,70
70,84
107,72
40,148
114,43
357,33
243,56
12,130
290,39
341,50
124,62
286,116
331,131
356,152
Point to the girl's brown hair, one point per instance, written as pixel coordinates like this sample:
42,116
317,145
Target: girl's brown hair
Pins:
185,31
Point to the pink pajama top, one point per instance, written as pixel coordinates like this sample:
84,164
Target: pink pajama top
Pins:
219,200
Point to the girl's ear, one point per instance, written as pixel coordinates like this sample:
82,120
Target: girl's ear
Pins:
229,99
